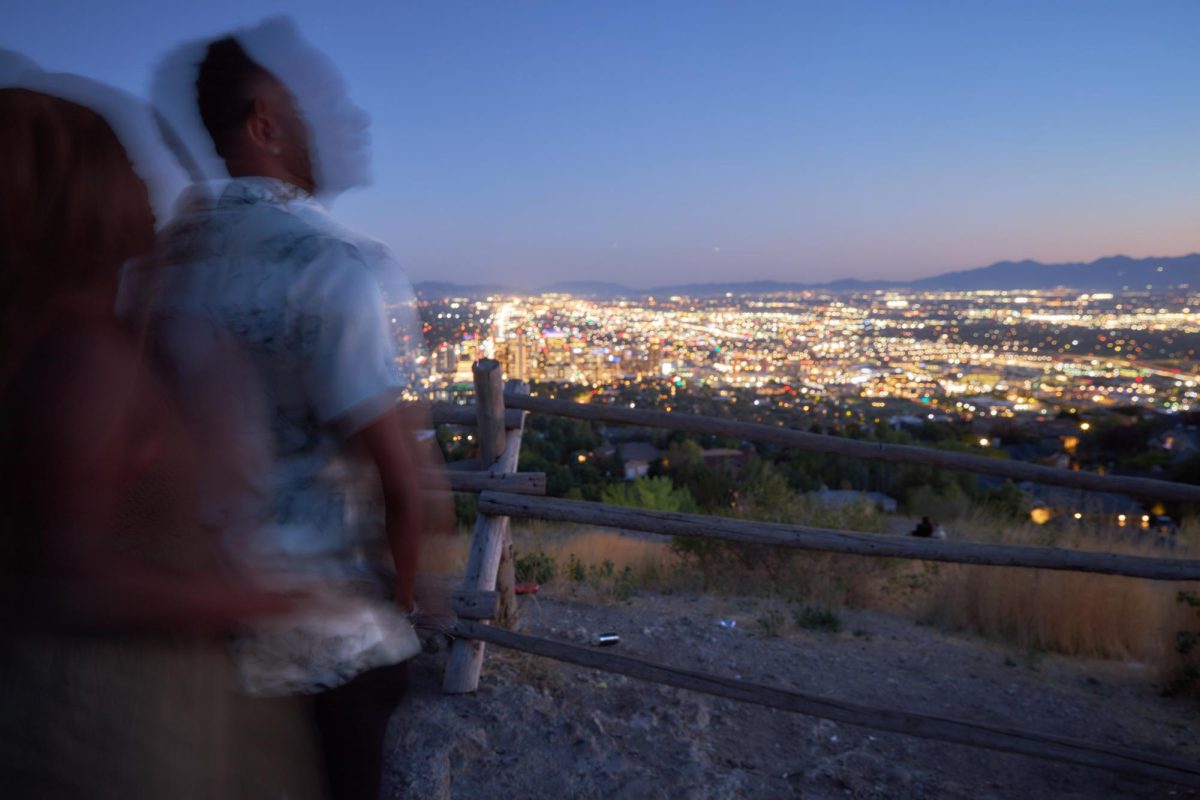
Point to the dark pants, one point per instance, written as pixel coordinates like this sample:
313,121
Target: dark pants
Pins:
352,720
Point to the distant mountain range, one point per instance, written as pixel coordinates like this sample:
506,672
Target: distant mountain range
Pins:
1111,274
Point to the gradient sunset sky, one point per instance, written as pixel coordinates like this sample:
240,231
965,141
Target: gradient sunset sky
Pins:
661,142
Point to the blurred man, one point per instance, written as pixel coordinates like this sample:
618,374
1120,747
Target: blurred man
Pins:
277,321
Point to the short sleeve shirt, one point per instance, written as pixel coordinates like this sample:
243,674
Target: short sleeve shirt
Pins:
256,288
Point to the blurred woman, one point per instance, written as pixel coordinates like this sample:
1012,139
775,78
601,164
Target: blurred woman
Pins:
113,677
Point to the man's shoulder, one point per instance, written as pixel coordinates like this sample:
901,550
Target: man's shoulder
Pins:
320,222
258,233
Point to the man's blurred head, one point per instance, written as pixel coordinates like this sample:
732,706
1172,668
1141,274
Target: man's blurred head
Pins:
317,108
254,121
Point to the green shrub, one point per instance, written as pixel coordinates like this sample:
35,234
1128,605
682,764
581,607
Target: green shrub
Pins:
575,569
536,567
772,624
602,579
598,573
732,566
654,494
466,509
947,504
624,584
817,619
1186,677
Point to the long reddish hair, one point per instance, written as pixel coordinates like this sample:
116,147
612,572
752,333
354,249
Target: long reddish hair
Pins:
72,210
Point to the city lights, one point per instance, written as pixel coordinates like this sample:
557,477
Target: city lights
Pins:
987,356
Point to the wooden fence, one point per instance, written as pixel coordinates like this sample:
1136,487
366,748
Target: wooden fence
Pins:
874,451
487,589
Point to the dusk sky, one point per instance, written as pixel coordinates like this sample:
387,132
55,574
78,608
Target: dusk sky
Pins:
649,142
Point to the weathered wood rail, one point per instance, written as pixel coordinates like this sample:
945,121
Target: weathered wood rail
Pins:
465,415
804,537
854,448
479,481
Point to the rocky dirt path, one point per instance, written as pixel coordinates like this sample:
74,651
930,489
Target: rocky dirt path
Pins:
538,728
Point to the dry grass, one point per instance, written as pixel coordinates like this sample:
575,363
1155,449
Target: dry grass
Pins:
1072,613
540,673
646,557
598,565
1065,612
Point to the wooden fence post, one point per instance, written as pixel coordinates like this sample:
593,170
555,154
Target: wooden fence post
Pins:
497,453
506,582
489,410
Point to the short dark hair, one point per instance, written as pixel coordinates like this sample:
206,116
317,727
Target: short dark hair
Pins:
223,90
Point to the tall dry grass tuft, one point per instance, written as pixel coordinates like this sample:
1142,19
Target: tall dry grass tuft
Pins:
593,546
560,540
644,554
1065,612
1076,614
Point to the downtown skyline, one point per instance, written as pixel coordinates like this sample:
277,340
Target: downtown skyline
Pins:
655,144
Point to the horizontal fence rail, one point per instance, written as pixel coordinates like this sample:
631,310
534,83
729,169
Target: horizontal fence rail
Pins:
481,481
1043,746
804,537
466,415
853,448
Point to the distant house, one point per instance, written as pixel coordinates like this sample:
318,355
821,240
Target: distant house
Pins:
901,421
605,451
726,457
834,499
637,457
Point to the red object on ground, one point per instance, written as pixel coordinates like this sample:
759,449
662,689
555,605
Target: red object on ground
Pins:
526,588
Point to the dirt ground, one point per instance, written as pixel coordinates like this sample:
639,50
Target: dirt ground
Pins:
538,728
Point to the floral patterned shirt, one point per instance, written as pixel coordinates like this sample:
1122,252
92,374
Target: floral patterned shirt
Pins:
276,324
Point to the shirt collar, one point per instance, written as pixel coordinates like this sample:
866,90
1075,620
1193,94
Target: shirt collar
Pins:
255,189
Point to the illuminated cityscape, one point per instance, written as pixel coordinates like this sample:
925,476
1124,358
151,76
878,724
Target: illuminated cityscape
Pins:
964,354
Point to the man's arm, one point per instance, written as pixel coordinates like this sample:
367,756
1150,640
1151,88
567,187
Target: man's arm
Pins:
390,443
355,383
437,547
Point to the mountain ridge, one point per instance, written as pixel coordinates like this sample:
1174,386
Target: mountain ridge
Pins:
1116,273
